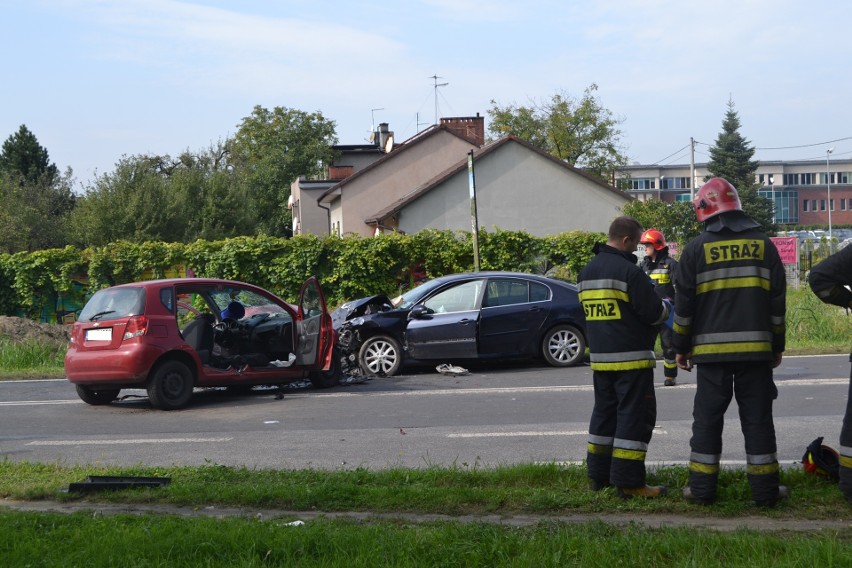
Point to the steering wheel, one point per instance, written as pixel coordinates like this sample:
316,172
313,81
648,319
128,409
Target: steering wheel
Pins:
225,325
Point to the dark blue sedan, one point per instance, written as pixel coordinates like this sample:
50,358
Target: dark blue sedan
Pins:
470,316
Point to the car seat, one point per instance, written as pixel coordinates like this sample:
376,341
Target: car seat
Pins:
199,335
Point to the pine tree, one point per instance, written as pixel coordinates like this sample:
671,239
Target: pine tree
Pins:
23,156
730,158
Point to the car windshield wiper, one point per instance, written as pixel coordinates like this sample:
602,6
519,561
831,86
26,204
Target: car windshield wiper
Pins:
98,315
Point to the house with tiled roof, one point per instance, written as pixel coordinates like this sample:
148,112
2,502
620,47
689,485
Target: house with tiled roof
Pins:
518,187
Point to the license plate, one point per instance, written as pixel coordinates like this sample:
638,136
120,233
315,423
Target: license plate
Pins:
101,334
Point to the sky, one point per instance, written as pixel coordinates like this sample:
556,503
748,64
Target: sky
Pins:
96,80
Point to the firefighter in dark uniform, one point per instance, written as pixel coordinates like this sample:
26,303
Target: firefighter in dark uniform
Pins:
660,266
622,311
829,280
729,320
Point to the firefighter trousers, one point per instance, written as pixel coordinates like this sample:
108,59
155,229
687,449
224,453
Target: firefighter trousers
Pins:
621,426
669,363
752,385
846,446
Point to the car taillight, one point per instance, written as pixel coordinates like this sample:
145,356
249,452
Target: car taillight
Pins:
136,327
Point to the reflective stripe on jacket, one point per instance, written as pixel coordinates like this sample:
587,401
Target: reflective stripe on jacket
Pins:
661,272
621,311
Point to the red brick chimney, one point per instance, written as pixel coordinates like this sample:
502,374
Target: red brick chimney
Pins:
472,127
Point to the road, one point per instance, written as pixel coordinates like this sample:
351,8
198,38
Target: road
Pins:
498,414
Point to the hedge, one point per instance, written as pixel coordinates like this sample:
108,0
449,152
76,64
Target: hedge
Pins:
47,284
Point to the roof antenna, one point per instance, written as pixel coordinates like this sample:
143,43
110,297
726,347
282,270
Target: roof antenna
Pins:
437,84
373,123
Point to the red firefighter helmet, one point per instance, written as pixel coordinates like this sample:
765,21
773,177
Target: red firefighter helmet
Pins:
716,196
653,237
822,460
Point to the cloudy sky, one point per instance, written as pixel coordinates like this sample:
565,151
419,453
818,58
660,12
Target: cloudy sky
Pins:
98,79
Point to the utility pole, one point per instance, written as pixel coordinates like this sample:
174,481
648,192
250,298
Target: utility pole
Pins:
437,84
691,168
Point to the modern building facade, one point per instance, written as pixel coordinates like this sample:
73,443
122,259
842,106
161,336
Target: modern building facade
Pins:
804,192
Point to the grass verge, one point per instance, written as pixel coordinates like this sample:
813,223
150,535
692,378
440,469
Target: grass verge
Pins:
30,539
540,489
545,491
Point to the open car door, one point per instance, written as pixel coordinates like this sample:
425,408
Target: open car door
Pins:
313,325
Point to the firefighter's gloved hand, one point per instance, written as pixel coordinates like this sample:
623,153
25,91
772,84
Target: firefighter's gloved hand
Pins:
684,361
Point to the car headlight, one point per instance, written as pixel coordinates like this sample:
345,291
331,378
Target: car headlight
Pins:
355,322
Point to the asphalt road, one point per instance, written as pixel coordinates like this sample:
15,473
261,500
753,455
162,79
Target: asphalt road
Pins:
498,414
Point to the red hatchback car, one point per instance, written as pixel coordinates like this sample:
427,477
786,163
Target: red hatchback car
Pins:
170,336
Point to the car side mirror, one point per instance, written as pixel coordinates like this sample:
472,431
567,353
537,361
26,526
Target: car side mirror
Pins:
419,311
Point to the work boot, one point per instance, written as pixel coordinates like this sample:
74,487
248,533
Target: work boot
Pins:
647,491
690,498
669,382
783,493
597,484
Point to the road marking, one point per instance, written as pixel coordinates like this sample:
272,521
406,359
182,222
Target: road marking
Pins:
533,390
130,441
513,434
781,383
38,402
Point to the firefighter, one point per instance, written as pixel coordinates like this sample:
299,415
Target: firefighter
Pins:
729,320
829,280
659,266
622,311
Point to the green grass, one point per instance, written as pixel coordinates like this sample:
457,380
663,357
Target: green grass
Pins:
269,538
31,359
43,539
538,489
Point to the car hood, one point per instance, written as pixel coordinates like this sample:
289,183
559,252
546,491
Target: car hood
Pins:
360,307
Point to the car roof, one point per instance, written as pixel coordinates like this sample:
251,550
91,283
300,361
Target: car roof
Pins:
179,281
504,274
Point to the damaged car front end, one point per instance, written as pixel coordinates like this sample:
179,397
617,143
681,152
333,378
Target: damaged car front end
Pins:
368,329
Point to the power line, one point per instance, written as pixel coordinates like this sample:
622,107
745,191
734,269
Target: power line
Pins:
805,145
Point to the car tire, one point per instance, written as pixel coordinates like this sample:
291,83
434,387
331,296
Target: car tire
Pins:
563,346
380,356
96,397
330,378
170,386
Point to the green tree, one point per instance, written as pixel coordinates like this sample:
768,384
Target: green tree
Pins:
271,149
731,158
579,131
36,198
676,220
160,198
23,156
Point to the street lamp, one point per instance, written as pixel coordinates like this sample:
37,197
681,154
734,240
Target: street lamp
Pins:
772,189
828,186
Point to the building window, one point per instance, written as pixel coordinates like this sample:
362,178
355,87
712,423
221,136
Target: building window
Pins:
813,205
675,183
805,206
822,204
791,179
642,183
831,204
843,205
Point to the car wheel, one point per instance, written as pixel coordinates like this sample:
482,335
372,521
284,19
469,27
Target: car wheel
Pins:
330,378
563,346
170,386
380,356
96,397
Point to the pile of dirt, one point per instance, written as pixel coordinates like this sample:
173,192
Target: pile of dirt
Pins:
20,330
